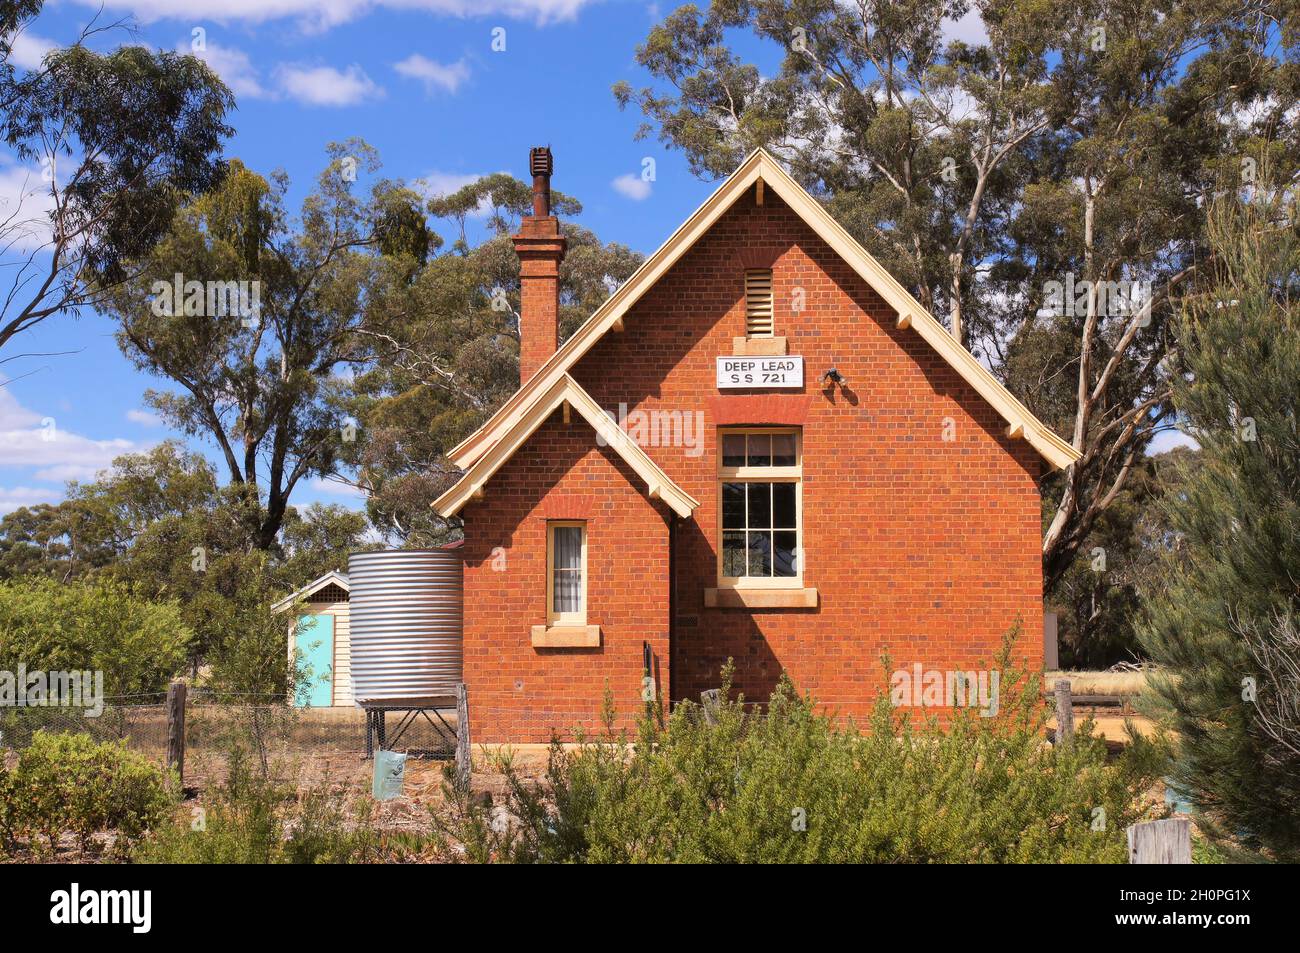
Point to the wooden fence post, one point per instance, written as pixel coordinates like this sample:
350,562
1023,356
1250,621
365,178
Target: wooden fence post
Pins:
710,701
464,764
1161,842
176,729
1064,712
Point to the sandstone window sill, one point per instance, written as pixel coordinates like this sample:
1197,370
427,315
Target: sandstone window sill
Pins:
760,598
566,636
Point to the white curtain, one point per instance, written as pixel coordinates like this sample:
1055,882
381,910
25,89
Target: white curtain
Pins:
567,564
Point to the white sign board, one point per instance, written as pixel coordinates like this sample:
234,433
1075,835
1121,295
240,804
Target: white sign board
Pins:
760,372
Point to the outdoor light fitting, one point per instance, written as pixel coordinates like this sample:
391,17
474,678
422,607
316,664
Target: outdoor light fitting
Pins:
833,377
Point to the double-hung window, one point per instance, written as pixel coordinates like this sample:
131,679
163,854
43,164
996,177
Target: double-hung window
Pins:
566,573
759,476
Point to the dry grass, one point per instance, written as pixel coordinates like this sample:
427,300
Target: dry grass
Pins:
1099,683
1110,721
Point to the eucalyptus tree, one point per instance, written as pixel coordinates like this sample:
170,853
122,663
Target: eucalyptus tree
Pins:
254,316
1114,220
99,171
912,140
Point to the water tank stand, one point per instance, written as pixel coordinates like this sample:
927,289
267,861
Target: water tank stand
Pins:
377,729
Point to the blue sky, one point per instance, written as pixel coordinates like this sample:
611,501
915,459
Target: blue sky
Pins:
420,81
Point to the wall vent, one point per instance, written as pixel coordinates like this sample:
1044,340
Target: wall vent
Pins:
758,303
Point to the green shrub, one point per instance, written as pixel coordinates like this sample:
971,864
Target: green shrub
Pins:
1223,613
239,824
8,811
789,786
137,644
260,819
70,783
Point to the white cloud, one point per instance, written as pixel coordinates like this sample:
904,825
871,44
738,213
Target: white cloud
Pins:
323,14
1169,439
327,86
30,439
632,186
14,414
969,29
433,75
68,471
437,184
25,205
233,66
11,498
29,50
143,418
335,488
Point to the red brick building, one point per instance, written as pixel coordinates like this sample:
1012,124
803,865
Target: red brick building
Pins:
761,447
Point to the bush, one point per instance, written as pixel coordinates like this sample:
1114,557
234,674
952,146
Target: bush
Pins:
46,625
70,783
1223,617
8,811
258,819
788,786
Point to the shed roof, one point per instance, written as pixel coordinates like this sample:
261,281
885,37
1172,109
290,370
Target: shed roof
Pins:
330,578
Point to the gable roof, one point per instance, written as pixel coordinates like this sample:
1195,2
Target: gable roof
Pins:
911,314
564,391
333,577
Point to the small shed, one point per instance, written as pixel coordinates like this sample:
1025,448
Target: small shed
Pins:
320,627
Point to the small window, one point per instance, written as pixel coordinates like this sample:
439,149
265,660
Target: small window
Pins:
566,573
758,303
759,475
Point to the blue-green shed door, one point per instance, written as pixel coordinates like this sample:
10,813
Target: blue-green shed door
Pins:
315,639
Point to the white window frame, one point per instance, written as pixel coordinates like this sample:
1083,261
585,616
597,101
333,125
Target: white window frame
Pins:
747,474
554,618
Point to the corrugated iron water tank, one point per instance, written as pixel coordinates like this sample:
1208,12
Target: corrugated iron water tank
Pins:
407,613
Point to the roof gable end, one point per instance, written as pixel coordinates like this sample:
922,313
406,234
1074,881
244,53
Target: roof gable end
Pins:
565,391
760,165
331,578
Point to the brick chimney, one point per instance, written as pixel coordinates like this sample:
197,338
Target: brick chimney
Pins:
540,247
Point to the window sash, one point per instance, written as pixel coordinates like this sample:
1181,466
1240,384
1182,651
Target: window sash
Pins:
753,550
566,573
760,535
761,444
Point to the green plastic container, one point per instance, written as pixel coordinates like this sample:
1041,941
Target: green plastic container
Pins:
390,772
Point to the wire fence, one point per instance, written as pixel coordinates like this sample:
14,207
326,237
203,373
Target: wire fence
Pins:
268,727
333,741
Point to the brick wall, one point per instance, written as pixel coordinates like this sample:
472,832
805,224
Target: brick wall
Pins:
926,548
519,693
